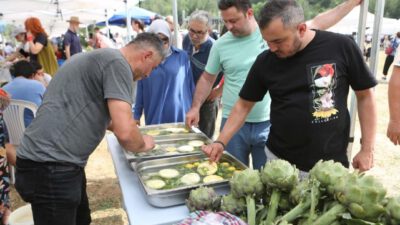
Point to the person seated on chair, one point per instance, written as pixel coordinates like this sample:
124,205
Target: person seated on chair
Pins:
24,87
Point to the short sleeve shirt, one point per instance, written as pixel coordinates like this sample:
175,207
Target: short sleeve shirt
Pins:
309,116
72,40
74,114
234,56
42,39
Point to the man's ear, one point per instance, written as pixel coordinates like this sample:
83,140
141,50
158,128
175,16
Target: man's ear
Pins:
302,28
250,12
148,54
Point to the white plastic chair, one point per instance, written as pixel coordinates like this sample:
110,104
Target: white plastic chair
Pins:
13,116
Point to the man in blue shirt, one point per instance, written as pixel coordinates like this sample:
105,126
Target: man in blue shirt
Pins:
166,95
197,43
72,42
24,87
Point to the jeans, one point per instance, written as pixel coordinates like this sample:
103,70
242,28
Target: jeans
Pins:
56,191
250,139
208,117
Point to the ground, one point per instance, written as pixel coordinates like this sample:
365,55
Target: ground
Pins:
105,195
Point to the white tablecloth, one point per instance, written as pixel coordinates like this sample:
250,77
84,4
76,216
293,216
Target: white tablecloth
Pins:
138,210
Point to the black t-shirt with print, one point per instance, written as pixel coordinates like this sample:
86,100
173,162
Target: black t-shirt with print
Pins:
309,116
42,39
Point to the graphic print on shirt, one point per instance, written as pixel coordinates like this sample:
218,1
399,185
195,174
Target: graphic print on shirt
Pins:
323,84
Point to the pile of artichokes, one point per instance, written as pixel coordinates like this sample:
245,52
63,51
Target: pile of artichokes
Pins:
331,195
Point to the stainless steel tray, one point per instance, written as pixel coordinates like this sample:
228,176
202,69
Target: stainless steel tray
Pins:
166,145
167,129
177,196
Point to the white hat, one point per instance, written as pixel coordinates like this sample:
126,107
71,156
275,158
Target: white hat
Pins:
18,30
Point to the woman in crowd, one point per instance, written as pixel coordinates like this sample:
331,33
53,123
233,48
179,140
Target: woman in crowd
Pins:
40,48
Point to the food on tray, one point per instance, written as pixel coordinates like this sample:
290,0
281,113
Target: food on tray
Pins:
189,173
155,183
212,178
168,173
190,178
170,149
166,131
196,143
186,148
207,168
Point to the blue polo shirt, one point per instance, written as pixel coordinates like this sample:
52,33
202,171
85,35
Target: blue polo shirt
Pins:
166,95
198,60
73,41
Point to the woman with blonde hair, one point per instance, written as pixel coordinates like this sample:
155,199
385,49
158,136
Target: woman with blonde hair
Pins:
40,48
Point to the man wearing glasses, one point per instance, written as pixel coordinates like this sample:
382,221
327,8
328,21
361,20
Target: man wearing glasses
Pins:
197,43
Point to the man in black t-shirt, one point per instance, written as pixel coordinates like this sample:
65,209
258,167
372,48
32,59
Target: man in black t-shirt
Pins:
308,74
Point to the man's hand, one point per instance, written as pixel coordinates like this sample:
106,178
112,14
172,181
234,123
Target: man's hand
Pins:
148,143
356,2
213,151
192,117
215,93
393,132
364,160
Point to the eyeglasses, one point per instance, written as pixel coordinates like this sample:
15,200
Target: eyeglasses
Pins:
197,32
165,40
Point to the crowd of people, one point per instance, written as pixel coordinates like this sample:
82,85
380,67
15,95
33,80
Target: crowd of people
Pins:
283,97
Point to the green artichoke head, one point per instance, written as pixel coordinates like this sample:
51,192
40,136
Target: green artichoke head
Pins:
203,198
280,174
363,195
300,192
328,173
236,206
393,210
246,183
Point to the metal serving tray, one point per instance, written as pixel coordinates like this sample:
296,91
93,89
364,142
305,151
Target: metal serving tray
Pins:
164,146
167,129
177,196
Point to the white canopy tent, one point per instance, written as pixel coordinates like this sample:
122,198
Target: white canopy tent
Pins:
349,24
54,13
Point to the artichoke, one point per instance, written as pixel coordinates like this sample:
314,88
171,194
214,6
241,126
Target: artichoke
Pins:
278,175
328,173
393,211
235,206
306,195
363,196
203,198
247,183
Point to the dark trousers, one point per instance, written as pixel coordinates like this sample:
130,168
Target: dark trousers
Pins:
388,61
56,191
208,117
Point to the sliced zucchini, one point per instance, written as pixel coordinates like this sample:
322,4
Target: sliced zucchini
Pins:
170,149
153,132
155,183
190,178
168,173
212,178
196,143
176,130
186,148
207,168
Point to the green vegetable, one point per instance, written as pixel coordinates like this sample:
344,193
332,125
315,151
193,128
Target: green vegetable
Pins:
393,210
203,198
278,176
247,183
236,206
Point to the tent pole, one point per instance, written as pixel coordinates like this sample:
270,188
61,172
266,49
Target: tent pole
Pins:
379,9
128,22
176,30
374,58
108,29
